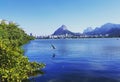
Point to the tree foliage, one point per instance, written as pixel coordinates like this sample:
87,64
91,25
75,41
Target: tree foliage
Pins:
14,66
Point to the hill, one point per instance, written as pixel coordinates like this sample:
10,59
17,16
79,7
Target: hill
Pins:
62,31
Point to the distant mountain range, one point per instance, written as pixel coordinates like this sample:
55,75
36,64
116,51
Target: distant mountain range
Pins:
108,28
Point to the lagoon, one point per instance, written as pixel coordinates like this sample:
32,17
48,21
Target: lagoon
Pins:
76,60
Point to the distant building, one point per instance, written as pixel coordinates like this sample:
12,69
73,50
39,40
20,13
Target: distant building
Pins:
31,34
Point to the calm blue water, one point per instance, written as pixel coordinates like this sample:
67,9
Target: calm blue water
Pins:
76,60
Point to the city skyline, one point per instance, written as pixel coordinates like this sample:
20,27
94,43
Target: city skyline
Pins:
43,17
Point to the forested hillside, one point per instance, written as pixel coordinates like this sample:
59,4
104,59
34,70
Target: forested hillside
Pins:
14,66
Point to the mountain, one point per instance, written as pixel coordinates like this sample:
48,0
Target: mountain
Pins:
108,28
62,31
114,32
89,29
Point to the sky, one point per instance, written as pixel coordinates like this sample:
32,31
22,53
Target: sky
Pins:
43,17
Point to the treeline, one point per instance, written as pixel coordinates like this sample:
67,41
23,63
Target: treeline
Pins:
14,66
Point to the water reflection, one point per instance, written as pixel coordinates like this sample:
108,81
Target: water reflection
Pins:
34,74
77,60
74,78
53,55
83,79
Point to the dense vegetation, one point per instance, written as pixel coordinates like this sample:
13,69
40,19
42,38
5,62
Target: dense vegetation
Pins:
14,66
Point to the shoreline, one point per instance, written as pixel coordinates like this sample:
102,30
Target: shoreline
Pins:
78,38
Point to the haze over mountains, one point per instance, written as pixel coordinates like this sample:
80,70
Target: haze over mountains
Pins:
108,28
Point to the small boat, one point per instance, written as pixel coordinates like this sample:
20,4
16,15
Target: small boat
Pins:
53,46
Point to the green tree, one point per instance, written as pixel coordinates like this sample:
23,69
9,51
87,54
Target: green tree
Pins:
14,66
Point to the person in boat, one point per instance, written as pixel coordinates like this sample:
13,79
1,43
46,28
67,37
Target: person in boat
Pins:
53,46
